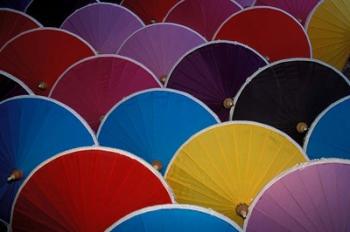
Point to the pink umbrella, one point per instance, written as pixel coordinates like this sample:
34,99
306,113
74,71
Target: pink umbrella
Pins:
300,9
204,17
93,85
159,46
314,197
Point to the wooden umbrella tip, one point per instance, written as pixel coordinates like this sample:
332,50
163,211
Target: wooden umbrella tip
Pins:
42,85
242,210
152,21
228,103
15,175
302,127
163,79
156,164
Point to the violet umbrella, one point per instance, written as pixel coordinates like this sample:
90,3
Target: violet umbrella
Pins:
95,84
314,197
115,23
245,3
204,17
299,9
11,86
159,46
214,72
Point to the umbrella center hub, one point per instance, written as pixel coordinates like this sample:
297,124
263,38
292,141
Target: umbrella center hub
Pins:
42,85
163,79
228,103
15,175
242,210
302,127
156,164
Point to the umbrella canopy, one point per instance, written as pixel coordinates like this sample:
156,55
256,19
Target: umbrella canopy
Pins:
225,166
214,72
32,129
313,197
290,94
10,86
3,226
329,30
202,16
299,9
154,123
15,4
114,25
52,13
159,46
245,3
150,11
186,218
329,134
13,23
273,36
86,189
39,56
94,85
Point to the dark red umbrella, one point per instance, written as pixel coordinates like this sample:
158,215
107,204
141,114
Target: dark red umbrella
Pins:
86,189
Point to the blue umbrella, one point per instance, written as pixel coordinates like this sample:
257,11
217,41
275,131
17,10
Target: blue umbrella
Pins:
153,124
32,129
329,135
184,218
15,4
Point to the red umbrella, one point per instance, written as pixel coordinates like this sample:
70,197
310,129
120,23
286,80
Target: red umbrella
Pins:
272,32
39,56
86,189
14,22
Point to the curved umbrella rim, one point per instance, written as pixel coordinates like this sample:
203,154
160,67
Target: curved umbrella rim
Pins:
286,173
309,18
31,18
18,81
93,148
171,207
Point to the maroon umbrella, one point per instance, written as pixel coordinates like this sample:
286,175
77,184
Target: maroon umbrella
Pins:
214,73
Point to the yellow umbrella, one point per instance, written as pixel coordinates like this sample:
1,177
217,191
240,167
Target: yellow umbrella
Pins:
329,30
225,166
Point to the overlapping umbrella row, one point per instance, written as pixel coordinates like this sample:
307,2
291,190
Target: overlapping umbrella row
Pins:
153,79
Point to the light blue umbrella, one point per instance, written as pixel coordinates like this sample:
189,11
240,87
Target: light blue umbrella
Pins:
174,218
32,129
153,124
329,136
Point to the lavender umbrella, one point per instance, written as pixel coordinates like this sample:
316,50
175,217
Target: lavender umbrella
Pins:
314,198
10,86
245,3
214,73
159,46
104,25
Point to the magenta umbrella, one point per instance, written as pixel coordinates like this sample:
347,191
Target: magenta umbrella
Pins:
104,25
204,17
159,46
300,9
314,197
93,85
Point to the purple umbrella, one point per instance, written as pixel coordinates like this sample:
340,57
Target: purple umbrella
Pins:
214,72
104,25
10,86
299,9
159,46
245,3
314,198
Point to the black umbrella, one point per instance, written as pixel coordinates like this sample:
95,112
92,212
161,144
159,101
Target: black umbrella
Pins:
289,95
11,86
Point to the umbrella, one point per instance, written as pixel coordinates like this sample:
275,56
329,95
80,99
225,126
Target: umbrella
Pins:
313,197
52,13
10,86
153,124
150,11
186,218
225,166
274,36
86,189
299,9
245,3
329,32
32,129
14,4
202,16
13,23
3,226
214,72
94,85
329,134
289,95
159,46
114,25
39,56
